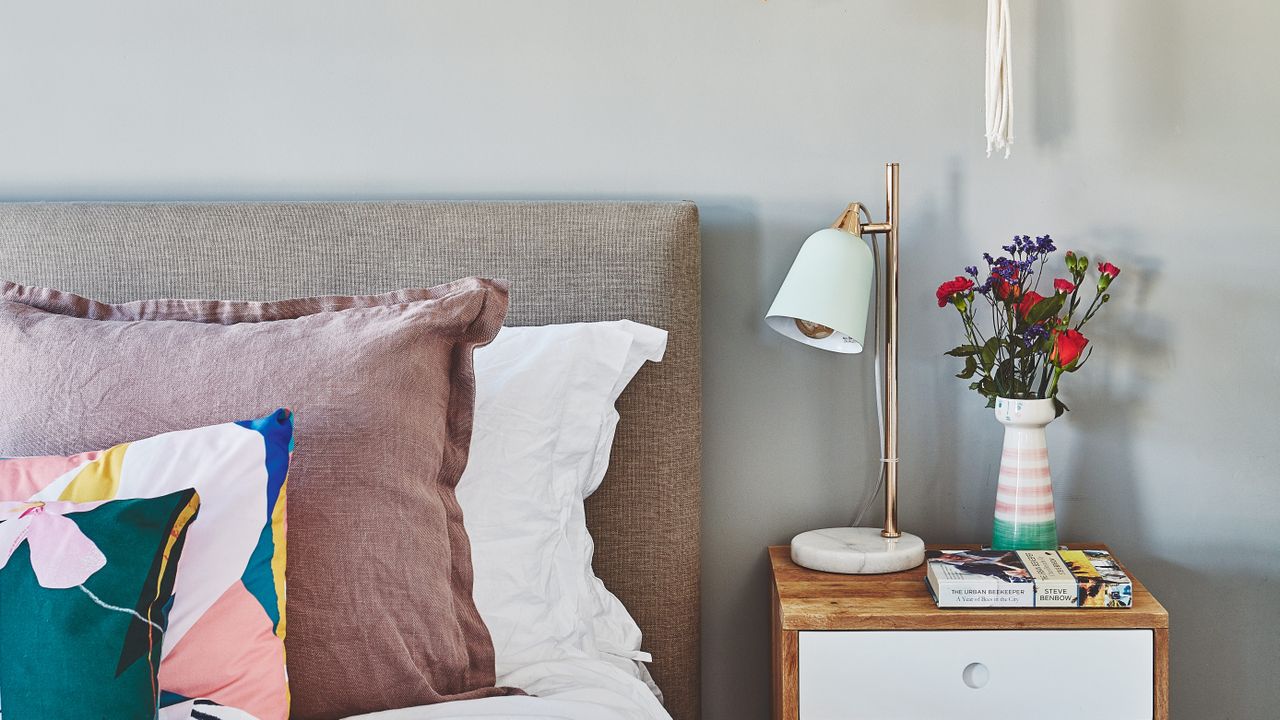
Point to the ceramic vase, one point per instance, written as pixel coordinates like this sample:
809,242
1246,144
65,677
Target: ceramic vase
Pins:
1024,496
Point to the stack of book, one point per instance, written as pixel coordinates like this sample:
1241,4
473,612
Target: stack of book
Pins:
1027,578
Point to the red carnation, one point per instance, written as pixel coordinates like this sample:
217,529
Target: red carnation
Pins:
1067,346
1028,301
1064,286
1109,273
951,288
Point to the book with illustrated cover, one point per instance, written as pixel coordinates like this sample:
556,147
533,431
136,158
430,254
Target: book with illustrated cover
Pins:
1101,581
979,578
1027,578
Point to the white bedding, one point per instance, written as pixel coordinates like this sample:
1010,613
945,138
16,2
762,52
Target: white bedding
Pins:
571,689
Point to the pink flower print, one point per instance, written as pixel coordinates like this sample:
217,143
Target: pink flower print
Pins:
62,556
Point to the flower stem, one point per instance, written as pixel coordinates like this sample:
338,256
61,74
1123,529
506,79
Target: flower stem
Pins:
1053,388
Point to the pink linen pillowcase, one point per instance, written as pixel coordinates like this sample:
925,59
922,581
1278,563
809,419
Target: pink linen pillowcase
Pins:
383,386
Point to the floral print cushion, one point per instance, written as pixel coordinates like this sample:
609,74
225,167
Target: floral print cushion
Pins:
224,643
86,591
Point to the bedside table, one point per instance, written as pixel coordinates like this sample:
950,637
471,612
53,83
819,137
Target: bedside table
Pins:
848,647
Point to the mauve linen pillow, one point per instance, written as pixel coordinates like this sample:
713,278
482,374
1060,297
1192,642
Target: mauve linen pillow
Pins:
380,608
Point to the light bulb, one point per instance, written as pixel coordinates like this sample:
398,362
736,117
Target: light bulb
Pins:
813,329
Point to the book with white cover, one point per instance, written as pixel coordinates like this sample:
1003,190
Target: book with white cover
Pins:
1055,585
979,578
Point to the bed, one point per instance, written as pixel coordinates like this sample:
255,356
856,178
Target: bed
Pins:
567,262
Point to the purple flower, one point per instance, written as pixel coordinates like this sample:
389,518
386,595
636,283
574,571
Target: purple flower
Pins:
972,270
1034,334
1021,244
1044,244
987,256
1005,268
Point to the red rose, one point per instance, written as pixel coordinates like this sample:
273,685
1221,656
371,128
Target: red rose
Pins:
1028,301
1108,269
1064,286
1007,290
951,288
1010,288
1067,346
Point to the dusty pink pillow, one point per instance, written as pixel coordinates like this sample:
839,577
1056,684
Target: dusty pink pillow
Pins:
379,575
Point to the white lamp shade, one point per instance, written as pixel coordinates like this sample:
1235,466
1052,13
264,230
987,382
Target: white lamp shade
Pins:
829,284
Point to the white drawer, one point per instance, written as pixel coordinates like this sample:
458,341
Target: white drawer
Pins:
964,674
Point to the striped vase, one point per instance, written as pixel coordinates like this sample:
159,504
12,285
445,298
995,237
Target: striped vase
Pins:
1024,497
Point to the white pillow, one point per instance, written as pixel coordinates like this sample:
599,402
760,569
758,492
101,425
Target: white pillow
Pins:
542,431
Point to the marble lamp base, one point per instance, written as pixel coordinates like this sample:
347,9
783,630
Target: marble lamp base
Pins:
856,551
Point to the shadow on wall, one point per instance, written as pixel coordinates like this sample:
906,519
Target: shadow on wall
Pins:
785,453
1146,92
735,670
1154,71
1055,104
1222,628
1102,501
947,433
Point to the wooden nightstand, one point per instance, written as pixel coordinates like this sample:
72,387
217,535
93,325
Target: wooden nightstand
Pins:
848,647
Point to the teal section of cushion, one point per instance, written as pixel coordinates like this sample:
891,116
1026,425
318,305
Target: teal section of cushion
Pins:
259,574
65,654
170,698
259,579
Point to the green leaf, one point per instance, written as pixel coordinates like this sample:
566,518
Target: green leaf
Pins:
988,353
1059,407
1046,308
1006,368
963,351
987,387
1004,376
991,401
970,367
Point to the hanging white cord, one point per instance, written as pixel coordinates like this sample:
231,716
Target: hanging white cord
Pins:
999,78
875,491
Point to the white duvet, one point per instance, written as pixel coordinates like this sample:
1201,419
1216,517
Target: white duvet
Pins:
573,689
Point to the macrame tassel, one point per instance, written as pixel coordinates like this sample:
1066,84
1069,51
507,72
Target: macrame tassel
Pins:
999,78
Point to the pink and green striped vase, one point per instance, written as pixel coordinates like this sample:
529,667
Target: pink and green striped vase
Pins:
1024,496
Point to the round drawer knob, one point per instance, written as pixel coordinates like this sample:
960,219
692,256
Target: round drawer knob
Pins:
975,675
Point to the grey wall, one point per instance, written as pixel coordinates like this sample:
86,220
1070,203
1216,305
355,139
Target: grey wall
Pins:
1145,134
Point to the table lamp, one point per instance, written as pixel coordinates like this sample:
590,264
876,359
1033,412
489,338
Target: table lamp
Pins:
823,303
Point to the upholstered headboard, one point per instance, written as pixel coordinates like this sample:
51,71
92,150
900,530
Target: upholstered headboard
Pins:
567,262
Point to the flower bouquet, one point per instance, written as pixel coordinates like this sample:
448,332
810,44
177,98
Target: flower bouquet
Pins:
1017,360
1032,339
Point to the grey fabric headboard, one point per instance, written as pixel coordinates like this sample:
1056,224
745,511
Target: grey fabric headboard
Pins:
567,262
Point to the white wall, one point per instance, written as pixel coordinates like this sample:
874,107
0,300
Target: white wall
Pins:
1145,134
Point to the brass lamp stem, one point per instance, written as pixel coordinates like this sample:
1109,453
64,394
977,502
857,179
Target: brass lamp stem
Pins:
891,356
851,221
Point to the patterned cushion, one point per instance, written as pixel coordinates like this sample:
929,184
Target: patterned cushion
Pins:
225,640
85,596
